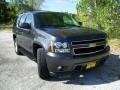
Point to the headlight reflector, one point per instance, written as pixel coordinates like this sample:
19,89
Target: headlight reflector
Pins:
58,44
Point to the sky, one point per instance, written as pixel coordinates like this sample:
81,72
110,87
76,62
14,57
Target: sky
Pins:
59,5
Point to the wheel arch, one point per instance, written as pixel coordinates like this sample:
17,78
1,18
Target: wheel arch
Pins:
35,47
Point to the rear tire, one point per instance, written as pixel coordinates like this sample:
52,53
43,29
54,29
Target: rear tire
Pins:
42,65
17,48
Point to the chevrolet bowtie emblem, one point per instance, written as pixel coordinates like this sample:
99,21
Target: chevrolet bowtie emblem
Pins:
92,45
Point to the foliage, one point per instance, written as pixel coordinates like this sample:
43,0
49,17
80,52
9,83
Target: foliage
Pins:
3,9
32,4
101,15
8,11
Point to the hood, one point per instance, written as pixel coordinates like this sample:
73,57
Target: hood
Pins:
76,33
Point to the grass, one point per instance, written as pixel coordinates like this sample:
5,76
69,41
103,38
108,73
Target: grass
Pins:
6,26
115,45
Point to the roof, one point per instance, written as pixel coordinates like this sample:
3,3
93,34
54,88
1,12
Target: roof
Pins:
41,11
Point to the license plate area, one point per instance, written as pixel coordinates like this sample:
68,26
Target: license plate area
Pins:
91,65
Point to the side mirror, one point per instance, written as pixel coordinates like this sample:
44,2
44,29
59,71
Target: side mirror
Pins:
25,26
80,23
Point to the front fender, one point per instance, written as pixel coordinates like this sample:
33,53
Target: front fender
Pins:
44,39
45,43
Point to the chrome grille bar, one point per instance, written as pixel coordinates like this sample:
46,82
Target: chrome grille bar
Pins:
84,42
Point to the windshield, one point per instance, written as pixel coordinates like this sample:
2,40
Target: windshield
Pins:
54,19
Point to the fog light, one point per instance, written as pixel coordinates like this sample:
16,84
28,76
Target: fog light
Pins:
59,68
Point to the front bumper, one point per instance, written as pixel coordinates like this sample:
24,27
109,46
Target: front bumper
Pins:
69,62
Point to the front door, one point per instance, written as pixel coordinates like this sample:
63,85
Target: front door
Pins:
28,34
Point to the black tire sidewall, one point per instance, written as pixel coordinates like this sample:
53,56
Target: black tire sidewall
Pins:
101,63
42,65
17,51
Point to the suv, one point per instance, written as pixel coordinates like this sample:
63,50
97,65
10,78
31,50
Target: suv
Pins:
58,43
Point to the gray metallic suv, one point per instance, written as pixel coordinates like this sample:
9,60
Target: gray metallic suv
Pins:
58,43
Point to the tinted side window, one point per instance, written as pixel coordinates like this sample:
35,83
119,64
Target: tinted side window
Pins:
29,19
22,20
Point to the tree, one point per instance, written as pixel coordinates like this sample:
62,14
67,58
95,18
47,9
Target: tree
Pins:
8,11
100,14
35,4
32,4
3,9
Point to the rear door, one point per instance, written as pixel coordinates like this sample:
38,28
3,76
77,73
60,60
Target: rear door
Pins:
19,30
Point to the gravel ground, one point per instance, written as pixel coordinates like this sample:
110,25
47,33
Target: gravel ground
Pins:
20,73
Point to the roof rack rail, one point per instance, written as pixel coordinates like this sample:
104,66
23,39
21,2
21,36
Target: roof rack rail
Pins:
42,11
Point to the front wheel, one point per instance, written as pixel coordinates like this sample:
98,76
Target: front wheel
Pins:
42,65
101,63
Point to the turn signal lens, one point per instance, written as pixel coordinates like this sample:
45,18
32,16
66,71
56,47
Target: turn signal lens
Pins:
52,47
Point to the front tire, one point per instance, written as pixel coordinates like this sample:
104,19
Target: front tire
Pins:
42,65
17,48
101,63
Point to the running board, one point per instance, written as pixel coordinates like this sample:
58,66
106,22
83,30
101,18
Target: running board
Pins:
29,55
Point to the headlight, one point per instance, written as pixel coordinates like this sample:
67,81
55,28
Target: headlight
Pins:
59,47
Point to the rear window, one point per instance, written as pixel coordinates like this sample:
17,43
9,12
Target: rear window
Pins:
22,20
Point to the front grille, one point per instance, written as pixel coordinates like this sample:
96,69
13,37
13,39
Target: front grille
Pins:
82,51
84,47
